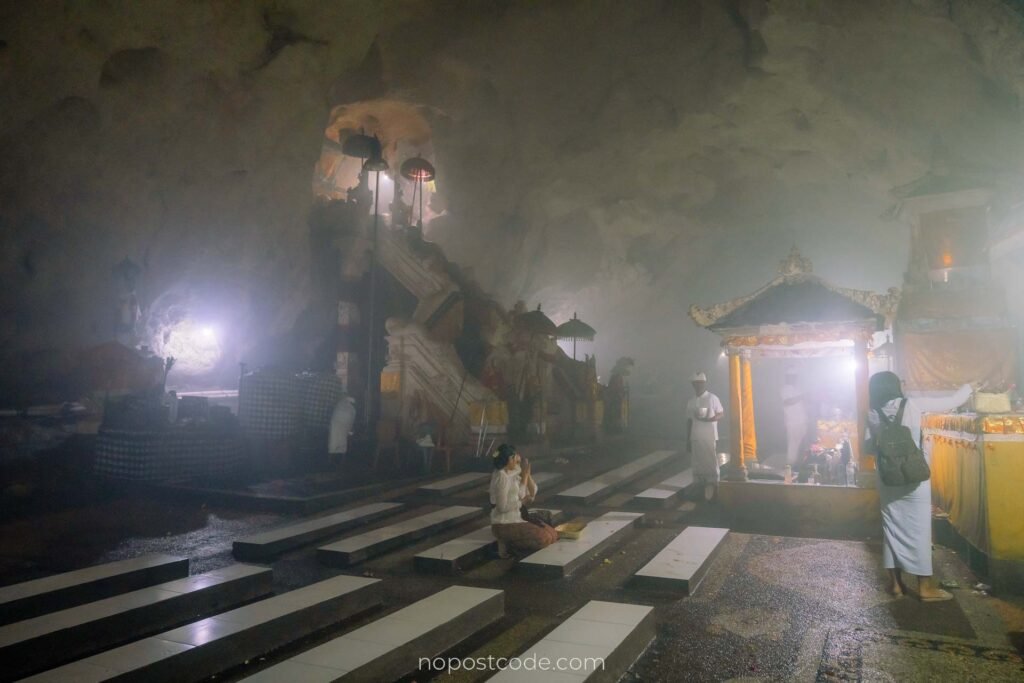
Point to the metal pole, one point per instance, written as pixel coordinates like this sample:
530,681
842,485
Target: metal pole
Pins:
370,318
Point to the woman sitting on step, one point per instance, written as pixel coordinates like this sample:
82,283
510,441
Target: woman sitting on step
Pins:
511,488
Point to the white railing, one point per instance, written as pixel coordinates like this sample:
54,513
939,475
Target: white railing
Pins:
419,274
434,369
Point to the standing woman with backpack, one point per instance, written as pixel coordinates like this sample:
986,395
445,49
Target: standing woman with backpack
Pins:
907,508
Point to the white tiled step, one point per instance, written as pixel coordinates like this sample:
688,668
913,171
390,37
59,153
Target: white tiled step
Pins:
546,480
465,551
391,647
606,483
378,541
460,482
564,556
204,648
276,541
683,562
665,493
52,639
60,591
599,642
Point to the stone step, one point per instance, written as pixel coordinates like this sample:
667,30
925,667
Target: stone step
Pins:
60,591
55,638
196,651
465,551
546,480
603,485
271,543
602,639
681,564
461,482
665,494
564,556
392,646
379,541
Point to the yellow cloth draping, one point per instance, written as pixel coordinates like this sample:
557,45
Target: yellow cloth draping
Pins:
971,423
949,359
496,412
736,410
1004,479
958,485
977,479
749,428
390,382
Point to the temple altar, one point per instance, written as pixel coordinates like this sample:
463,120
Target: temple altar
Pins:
977,466
797,315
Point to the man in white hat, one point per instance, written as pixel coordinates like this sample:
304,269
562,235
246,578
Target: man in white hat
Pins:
703,412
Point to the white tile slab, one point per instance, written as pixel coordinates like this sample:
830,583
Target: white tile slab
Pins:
667,490
591,643
383,638
607,482
459,482
564,554
276,541
78,631
88,575
684,559
244,625
376,541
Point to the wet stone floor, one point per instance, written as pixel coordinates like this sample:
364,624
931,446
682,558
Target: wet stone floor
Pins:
770,608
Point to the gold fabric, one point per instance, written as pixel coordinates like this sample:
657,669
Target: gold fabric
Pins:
497,413
390,382
977,480
948,360
736,409
958,485
749,428
1004,476
1012,423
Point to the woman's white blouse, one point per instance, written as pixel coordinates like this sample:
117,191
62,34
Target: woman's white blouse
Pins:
507,495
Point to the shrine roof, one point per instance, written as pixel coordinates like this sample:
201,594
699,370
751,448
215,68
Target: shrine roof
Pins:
797,297
938,183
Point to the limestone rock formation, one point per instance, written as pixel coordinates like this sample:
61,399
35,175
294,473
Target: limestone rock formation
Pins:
620,159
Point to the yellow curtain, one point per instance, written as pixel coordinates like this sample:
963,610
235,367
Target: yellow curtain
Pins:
749,428
736,410
958,484
1004,479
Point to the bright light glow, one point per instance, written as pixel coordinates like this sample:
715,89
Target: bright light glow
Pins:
851,365
194,346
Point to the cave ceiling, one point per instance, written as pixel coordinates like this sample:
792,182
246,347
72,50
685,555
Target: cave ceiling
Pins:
620,159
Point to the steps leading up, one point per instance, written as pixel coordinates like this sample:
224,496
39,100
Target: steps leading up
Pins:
564,556
355,549
391,647
271,543
51,639
202,649
604,484
682,564
60,591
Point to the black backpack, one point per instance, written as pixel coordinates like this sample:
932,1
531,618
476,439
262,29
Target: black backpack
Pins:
900,461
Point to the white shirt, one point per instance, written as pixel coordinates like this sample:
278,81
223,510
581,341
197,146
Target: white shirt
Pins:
712,406
342,419
507,495
793,412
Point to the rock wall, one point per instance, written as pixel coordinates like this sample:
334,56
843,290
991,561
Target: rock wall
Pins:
619,159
